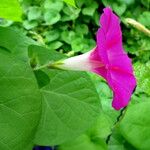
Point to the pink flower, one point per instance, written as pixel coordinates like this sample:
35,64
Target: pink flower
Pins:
109,60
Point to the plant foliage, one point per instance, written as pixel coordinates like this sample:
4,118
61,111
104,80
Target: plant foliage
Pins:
70,110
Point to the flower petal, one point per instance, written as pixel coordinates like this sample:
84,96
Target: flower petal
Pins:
121,63
109,36
118,70
122,85
101,70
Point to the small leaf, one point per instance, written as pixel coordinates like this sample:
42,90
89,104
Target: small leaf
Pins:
142,73
53,4
11,10
55,45
51,35
77,44
118,6
51,17
81,44
70,13
30,24
144,18
67,36
34,13
70,2
82,29
89,10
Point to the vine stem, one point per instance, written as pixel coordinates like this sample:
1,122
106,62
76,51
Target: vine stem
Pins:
119,118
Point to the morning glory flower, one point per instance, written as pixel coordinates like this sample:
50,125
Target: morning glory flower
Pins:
108,59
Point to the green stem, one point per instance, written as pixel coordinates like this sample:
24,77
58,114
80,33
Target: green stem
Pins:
50,65
40,67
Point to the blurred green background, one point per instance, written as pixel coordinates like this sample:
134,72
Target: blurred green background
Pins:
71,31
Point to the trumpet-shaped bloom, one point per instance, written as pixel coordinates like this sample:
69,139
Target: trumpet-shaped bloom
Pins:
108,59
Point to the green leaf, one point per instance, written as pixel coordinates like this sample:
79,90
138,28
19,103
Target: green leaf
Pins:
67,36
70,2
51,35
44,78
142,73
117,142
88,44
128,2
15,41
144,18
10,9
82,28
53,4
93,139
90,9
76,39
106,96
118,6
77,44
69,99
30,24
5,23
82,44
70,13
55,45
146,3
101,129
69,102
42,55
34,13
20,98
84,142
96,18
135,125
51,16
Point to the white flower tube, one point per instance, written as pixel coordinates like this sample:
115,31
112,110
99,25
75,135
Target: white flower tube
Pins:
80,63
